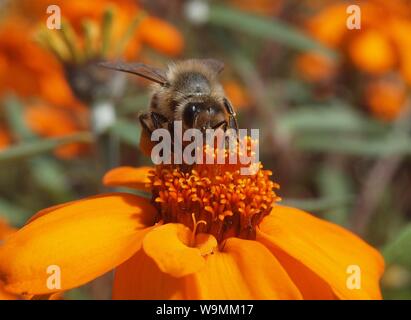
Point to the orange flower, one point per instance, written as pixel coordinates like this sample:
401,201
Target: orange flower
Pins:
28,70
4,295
385,98
329,25
400,30
152,31
161,36
5,138
49,121
376,47
315,67
209,233
236,94
5,231
372,52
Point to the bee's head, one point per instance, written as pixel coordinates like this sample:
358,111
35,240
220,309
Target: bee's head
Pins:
203,115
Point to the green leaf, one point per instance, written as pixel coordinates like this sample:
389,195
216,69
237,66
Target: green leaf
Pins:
333,183
107,26
50,175
77,294
14,214
398,250
70,39
29,149
266,28
15,119
90,29
329,118
360,146
134,103
128,131
315,205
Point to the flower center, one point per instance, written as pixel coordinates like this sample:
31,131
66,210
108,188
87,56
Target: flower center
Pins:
213,199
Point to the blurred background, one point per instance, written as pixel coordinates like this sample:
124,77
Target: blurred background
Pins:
332,104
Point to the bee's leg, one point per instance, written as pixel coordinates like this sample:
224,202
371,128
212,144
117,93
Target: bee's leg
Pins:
232,122
222,125
147,122
158,120
148,127
151,121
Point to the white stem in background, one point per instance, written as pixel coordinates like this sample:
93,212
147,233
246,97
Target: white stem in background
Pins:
103,116
197,11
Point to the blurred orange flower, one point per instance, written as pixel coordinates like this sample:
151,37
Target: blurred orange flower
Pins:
161,36
5,138
5,231
49,121
27,69
209,233
385,98
236,94
382,45
152,31
379,46
31,71
315,67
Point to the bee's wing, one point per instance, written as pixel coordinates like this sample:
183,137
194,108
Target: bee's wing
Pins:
216,65
140,69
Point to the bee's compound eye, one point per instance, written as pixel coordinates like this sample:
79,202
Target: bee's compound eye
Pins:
190,112
192,107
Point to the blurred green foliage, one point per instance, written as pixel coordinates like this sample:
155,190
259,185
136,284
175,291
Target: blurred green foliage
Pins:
319,147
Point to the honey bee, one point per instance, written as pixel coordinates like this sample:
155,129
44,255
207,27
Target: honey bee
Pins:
187,91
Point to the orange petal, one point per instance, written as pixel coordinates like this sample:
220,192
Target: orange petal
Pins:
4,295
136,178
140,278
84,240
168,246
245,270
161,35
311,286
326,249
329,25
315,67
372,52
5,138
50,121
5,229
386,98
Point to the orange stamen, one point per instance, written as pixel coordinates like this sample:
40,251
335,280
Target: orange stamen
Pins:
213,198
